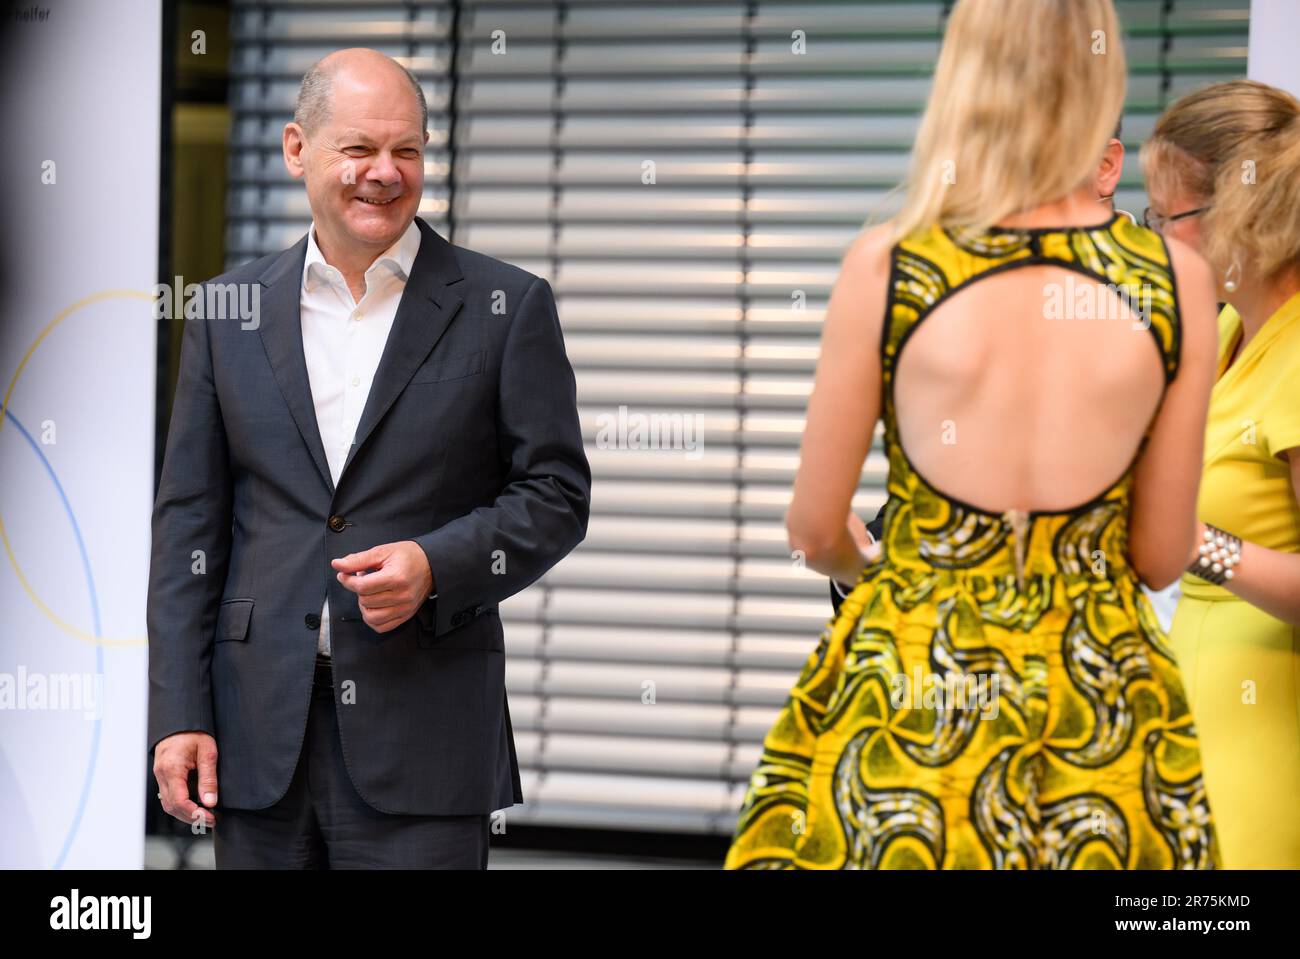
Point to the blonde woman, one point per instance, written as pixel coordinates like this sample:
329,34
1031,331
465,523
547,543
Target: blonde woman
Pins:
1223,172
995,690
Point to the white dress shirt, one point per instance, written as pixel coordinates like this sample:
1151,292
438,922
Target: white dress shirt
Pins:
342,341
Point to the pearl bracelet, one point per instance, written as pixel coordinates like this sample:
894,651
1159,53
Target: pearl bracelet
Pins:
1217,556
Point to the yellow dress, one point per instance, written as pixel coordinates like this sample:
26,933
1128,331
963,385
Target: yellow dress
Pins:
989,694
1241,666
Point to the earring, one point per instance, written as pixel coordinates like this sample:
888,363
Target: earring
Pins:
1232,277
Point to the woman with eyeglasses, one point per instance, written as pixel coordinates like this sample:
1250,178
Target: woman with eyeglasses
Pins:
1223,175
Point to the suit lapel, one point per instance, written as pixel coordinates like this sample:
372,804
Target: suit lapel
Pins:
428,305
281,332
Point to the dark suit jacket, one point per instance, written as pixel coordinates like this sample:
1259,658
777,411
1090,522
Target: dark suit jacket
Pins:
469,444
876,528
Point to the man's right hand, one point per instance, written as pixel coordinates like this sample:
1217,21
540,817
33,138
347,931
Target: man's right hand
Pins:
173,758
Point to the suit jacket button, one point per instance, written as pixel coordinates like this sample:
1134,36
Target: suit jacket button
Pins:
312,621
337,523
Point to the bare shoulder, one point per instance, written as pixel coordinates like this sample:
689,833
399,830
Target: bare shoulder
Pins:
1197,294
1187,260
864,269
869,251
857,303
1192,271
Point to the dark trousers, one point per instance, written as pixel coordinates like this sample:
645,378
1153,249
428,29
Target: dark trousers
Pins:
322,823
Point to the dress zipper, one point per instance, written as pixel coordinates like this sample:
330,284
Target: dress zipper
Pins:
1018,520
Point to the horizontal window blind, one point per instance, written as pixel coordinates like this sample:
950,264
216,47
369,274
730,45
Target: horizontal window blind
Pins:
687,180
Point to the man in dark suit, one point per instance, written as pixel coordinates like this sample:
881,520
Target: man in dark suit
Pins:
352,483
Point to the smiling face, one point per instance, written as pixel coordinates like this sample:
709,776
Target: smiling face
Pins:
363,161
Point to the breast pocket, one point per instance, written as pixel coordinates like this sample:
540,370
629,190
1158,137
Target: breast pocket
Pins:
232,620
439,369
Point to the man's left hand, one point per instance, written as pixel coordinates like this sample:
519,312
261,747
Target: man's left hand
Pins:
395,580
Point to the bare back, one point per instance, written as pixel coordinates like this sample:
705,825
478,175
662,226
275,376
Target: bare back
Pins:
1031,387
1022,372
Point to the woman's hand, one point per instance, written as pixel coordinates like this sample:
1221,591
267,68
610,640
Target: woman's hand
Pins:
867,544
858,530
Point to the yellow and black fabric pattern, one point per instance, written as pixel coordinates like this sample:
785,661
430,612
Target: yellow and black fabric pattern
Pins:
996,691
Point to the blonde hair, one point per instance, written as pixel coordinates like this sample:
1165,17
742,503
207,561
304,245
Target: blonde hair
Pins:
1236,147
1026,95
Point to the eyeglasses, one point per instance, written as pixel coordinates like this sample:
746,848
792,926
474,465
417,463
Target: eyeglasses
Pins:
1155,221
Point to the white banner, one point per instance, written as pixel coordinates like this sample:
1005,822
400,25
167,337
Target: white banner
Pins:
1274,33
78,370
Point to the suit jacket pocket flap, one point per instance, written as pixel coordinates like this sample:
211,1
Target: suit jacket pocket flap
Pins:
451,368
232,619
479,631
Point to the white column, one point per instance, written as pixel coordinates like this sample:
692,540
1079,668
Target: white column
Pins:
77,345
1275,43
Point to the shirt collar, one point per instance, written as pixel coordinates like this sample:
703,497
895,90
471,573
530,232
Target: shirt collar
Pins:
398,258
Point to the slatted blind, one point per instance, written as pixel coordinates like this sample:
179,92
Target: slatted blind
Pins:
687,179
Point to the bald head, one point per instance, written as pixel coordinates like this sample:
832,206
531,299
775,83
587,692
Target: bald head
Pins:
313,106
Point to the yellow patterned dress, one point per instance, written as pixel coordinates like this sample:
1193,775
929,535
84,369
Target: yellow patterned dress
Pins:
996,691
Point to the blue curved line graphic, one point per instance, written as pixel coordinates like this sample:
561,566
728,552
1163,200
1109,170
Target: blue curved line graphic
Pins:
99,649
